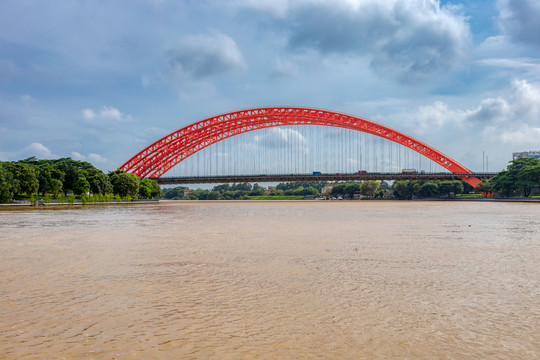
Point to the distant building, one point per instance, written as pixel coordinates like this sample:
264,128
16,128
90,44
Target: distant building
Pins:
526,155
326,189
187,193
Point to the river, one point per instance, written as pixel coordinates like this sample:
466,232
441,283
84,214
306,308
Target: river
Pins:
272,280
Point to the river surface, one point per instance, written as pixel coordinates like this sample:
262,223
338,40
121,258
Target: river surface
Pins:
272,280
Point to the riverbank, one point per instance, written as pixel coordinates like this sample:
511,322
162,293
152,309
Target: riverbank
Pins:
25,204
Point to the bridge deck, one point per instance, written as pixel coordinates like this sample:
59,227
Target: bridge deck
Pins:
315,177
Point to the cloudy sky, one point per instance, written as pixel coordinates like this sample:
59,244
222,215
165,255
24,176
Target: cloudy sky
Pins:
100,80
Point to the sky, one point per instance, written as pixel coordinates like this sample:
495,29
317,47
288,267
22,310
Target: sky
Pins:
100,80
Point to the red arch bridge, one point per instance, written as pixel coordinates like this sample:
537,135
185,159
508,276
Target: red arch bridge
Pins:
390,149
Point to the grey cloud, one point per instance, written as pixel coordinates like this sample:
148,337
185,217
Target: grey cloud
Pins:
403,38
201,56
520,20
490,110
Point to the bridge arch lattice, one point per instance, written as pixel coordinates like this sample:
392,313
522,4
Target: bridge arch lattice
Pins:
162,155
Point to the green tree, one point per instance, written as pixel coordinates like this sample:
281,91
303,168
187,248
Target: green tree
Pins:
519,175
44,175
214,195
99,182
55,187
6,179
257,190
338,189
311,191
149,188
458,187
380,194
446,187
369,188
24,179
174,193
402,189
485,186
529,178
124,184
504,183
350,189
429,189
81,186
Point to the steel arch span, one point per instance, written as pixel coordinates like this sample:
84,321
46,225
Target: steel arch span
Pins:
162,155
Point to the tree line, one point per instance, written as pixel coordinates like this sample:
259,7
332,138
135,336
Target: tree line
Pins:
298,190
520,178
29,177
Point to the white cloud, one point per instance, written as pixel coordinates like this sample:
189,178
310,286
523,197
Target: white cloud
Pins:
88,114
38,150
105,114
403,38
281,137
277,8
513,63
27,99
92,158
519,19
285,68
204,55
511,118
522,136
96,158
77,156
433,117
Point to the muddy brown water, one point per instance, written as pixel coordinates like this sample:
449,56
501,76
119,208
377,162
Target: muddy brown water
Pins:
272,280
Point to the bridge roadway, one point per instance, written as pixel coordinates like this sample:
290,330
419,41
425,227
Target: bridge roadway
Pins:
219,179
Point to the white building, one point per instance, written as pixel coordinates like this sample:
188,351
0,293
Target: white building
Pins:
526,154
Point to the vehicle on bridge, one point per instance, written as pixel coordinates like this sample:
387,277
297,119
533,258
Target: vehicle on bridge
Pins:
362,171
317,173
408,171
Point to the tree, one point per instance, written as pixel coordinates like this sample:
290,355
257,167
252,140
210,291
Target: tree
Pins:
350,189
156,189
458,186
44,175
446,187
149,188
520,174
55,187
529,178
339,189
485,187
429,189
124,184
81,186
6,179
214,195
402,189
504,183
311,191
369,188
24,179
99,182
174,193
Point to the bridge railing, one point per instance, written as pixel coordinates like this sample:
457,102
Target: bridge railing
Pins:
261,178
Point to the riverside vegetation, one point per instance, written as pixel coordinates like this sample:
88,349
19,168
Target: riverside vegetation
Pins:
66,180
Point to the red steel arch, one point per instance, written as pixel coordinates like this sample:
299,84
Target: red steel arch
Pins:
159,157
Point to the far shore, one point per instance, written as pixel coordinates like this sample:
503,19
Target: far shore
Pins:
53,205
